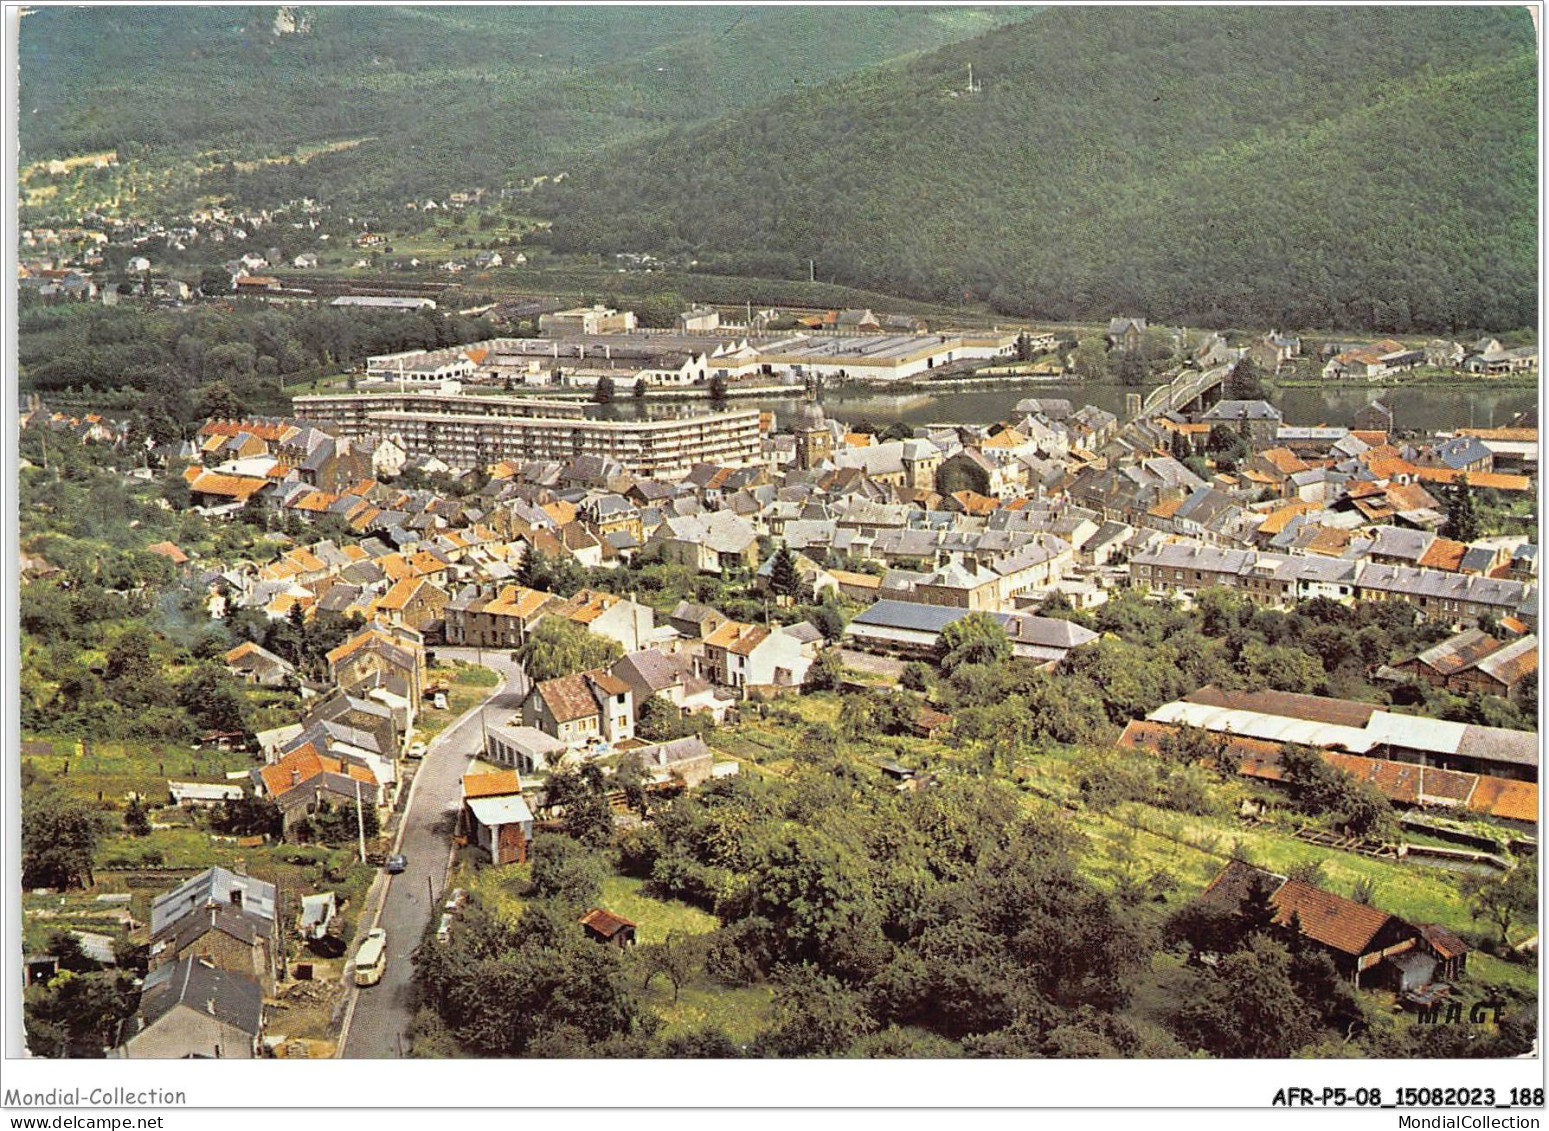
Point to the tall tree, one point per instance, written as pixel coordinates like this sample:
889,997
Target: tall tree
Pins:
59,839
210,696
1248,1006
975,639
826,673
675,958
1504,900
559,647
784,577
1244,382
1090,359
136,820
1463,521
815,1015
629,776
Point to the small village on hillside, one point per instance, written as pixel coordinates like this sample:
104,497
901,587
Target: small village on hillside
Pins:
448,646
778,533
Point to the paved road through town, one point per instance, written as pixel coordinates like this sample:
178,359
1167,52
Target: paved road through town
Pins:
379,1018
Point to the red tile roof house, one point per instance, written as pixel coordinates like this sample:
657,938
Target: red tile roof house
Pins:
169,550
304,779
378,655
497,817
416,602
579,709
1368,946
254,664
748,656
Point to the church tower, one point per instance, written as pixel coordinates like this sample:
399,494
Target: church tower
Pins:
814,439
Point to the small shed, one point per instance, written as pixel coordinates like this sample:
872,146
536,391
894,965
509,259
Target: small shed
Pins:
317,914
502,826
1450,952
606,927
39,968
928,721
202,794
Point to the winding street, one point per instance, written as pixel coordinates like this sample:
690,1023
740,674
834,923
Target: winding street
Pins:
377,1018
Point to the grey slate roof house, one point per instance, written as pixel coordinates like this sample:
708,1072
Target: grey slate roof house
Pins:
192,1009
1257,421
907,628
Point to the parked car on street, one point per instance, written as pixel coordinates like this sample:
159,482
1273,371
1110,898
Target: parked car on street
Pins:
371,958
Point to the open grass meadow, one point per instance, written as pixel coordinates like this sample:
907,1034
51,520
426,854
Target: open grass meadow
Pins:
501,889
702,1002
738,1011
111,770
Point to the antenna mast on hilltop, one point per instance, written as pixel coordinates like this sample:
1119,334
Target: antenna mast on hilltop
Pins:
973,87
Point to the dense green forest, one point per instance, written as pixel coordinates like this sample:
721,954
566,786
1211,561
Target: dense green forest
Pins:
450,97
1366,168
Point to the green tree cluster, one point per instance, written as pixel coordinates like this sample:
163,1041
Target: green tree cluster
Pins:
559,647
1289,105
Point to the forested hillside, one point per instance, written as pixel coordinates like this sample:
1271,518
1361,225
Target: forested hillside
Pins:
450,97
1369,167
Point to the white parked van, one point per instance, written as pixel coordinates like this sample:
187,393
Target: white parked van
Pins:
371,958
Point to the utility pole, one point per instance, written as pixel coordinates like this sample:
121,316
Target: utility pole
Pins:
360,822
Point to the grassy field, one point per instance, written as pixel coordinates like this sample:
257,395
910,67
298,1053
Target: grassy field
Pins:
655,918
115,769
331,383
502,888
468,684
739,1011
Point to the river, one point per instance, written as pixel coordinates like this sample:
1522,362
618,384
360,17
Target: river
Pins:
1417,408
